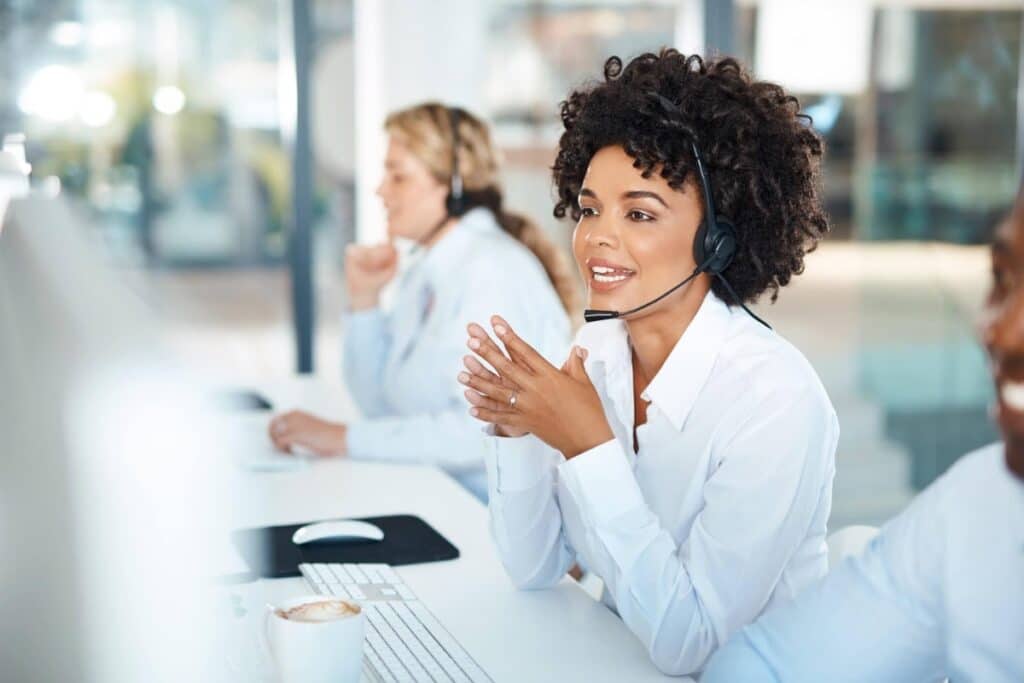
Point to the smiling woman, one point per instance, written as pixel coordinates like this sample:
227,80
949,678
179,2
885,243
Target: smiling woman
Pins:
683,452
761,152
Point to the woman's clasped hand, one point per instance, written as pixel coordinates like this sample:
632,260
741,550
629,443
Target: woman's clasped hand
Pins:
527,394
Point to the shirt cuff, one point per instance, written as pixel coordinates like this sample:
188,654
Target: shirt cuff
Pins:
516,463
602,482
364,440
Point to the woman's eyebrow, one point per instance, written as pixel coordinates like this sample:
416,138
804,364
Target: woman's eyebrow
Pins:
642,194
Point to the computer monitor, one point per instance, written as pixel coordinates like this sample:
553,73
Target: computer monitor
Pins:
108,496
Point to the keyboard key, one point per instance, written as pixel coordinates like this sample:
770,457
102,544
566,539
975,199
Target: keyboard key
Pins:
431,643
446,641
408,637
342,571
357,574
400,659
377,664
322,573
335,571
339,590
372,572
389,575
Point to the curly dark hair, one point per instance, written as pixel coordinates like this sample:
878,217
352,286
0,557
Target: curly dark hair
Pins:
760,152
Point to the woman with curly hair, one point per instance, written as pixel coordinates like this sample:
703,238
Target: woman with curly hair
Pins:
685,451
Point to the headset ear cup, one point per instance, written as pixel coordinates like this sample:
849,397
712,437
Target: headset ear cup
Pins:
722,248
700,251
455,206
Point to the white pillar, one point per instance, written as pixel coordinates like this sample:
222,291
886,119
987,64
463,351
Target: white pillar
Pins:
689,30
407,52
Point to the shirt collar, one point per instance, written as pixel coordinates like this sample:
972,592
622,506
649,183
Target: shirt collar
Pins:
675,388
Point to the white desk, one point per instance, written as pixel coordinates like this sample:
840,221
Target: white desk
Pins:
560,634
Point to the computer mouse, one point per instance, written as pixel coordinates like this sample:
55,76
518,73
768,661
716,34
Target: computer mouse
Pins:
337,531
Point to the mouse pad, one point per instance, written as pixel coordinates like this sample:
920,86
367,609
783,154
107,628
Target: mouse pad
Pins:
270,552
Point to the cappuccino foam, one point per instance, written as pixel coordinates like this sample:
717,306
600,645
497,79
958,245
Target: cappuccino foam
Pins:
324,610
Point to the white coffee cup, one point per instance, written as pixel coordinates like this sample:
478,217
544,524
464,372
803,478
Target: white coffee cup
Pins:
315,651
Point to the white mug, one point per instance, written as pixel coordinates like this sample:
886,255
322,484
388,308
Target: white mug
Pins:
315,652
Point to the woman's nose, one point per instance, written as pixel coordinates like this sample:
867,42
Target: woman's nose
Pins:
599,235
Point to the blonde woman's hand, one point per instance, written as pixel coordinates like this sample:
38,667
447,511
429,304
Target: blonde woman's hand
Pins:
297,428
367,270
559,406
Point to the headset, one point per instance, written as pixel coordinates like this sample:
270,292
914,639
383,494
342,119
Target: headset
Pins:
455,203
714,245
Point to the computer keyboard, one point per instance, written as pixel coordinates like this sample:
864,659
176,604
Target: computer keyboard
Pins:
404,641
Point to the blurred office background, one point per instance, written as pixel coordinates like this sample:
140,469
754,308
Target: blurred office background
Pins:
225,151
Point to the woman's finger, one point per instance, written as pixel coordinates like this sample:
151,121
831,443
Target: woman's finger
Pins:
489,351
576,368
495,417
486,387
477,368
517,348
478,332
282,443
480,401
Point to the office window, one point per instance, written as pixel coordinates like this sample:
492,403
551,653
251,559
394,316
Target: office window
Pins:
918,104
167,125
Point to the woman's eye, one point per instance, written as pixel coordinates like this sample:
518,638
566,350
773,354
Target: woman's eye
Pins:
587,211
639,216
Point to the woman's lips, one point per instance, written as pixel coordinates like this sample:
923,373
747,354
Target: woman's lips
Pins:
606,276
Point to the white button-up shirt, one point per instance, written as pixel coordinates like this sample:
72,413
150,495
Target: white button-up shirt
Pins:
401,365
722,512
939,593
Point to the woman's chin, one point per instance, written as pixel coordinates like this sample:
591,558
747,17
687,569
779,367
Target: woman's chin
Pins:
603,302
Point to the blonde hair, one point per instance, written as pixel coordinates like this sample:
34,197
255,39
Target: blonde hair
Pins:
426,131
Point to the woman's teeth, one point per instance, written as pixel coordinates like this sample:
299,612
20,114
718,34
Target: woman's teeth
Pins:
605,274
1012,394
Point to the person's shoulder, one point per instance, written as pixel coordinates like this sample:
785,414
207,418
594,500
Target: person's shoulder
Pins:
962,496
767,365
980,473
494,255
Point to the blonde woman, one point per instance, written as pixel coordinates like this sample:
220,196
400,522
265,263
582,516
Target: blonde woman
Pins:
440,189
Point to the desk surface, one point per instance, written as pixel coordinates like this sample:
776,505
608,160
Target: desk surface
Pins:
557,634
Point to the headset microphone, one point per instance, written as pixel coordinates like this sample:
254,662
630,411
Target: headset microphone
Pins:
592,315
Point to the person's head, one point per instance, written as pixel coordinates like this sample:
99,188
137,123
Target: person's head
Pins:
1002,331
625,172
417,179
418,167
